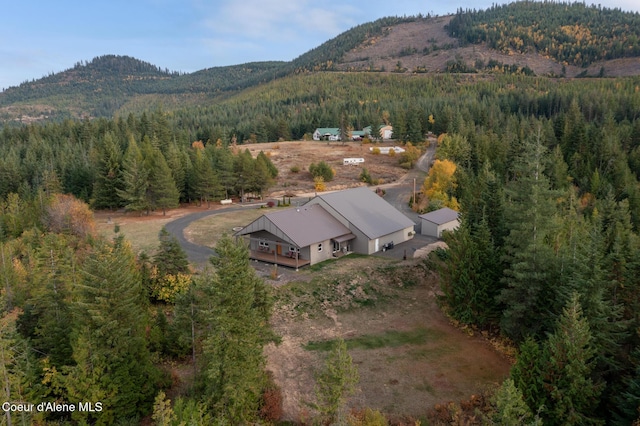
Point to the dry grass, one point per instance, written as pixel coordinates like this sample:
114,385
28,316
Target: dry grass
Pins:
207,231
141,233
409,356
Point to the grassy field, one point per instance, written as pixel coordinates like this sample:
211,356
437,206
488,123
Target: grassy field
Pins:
141,232
409,356
208,230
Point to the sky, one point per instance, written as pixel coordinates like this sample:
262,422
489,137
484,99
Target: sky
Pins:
38,37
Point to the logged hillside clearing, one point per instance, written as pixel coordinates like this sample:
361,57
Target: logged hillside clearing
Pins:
425,46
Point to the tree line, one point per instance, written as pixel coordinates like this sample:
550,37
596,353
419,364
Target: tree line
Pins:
547,255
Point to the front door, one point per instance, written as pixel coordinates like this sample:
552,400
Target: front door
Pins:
279,249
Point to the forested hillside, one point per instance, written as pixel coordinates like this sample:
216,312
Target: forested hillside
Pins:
571,33
542,38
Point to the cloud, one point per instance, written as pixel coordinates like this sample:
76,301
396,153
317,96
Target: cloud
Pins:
277,20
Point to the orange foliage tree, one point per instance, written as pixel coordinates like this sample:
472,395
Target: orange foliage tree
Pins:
440,182
68,215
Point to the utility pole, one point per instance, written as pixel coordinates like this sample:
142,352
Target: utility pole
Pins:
414,193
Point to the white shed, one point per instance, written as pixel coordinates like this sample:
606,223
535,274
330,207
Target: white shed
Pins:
433,223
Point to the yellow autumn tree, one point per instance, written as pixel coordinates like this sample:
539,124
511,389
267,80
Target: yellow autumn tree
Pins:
440,182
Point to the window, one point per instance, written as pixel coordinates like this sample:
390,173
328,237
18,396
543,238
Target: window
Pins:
319,246
294,249
263,246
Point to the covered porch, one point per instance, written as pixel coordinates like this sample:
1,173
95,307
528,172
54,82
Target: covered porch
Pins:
288,259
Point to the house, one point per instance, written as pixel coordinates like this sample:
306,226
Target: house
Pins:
296,237
358,135
386,131
372,220
433,223
327,133
329,225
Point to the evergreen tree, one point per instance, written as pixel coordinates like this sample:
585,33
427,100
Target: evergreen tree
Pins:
172,275
12,370
237,310
627,403
530,295
47,319
336,382
510,408
162,192
205,181
135,180
109,174
170,259
572,396
113,365
527,374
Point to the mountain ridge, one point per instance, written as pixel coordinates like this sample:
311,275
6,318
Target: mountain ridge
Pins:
405,45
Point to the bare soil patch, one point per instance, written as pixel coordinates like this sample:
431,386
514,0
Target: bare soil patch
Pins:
368,298
300,154
406,43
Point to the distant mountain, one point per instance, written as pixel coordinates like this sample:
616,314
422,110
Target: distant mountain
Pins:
534,38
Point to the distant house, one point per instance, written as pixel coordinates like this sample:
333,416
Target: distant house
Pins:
327,133
433,223
358,135
386,131
329,225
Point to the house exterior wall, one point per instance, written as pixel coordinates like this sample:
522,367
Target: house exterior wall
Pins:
386,132
435,230
316,255
397,238
361,243
449,226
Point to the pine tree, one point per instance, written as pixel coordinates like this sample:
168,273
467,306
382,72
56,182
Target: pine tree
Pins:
162,191
530,295
572,394
172,269
47,319
205,185
527,374
336,382
12,371
113,365
237,309
136,180
170,257
109,179
510,408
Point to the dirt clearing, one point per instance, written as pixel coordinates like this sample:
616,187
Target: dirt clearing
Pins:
300,154
409,356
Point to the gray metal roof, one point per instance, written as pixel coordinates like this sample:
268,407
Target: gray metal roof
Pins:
367,211
303,225
441,216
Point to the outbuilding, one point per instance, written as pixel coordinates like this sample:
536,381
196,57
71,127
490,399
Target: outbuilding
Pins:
444,219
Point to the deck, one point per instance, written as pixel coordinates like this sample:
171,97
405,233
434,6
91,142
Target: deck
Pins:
282,259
